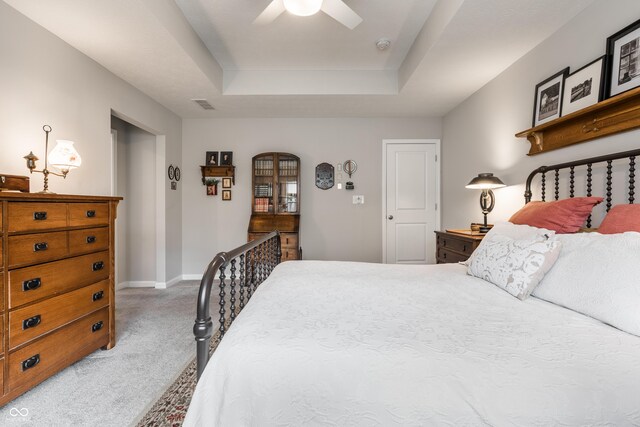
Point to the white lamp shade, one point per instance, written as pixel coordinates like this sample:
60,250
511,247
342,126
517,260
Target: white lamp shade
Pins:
303,7
64,156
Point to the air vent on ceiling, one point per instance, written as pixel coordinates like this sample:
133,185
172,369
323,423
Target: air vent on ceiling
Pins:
204,104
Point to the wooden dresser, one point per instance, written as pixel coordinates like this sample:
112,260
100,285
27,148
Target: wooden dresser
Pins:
57,275
455,247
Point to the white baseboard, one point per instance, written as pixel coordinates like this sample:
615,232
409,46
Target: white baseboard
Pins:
158,285
165,285
192,277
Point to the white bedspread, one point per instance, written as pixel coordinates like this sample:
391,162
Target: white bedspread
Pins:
346,344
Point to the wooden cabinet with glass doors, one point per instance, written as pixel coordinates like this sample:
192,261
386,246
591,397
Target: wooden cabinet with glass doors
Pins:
275,200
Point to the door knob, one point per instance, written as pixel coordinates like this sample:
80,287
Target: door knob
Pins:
390,217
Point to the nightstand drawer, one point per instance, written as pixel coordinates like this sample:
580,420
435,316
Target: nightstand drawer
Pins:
447,256
455,244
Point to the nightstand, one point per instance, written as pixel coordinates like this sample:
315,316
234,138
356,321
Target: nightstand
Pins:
456,245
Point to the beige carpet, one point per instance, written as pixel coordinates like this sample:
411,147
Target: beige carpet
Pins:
116,387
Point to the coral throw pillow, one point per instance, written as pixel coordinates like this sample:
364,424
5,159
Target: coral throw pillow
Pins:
561,216
621,218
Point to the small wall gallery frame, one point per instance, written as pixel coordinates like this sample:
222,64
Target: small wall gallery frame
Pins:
623,60
548,98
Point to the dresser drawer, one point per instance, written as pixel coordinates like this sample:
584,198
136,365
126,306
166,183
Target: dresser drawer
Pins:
289,240
447,256
88,214
34,248
25,216
56,277
88,240
455,244
31,321
289,254
37,361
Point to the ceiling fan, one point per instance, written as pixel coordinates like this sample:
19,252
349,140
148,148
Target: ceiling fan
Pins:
336,9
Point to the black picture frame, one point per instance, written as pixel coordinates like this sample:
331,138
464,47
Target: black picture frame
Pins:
226,194
212,158
226,158
171,172
584,87
623,57
226,182
550,87
177,174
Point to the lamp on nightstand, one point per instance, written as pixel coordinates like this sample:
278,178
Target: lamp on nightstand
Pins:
486,182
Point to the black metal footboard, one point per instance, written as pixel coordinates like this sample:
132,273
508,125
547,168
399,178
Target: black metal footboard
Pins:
243,268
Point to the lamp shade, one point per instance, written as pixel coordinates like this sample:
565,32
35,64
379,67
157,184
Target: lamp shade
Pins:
64,156
303,7
485,181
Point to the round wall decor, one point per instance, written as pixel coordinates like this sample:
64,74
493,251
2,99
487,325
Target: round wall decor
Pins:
177,174
324,176
171,172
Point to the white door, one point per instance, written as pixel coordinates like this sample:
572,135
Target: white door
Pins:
411,191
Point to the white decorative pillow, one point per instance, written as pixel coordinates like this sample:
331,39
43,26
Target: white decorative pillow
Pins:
597,275
514,258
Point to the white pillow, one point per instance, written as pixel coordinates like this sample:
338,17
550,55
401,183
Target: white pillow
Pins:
597,275
514,257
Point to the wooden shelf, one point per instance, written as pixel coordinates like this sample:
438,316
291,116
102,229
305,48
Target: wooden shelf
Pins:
614,115
219,171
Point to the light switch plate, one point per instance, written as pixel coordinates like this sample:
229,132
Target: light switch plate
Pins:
358,200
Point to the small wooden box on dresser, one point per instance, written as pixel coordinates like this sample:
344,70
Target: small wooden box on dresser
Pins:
456,246
57,273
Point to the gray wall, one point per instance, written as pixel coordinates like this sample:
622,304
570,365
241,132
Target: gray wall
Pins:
43,80
331,226
136,223
478,136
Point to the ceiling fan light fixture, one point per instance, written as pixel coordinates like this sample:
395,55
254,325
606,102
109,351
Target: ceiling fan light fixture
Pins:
302,7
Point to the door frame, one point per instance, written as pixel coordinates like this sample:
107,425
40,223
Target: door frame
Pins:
385,144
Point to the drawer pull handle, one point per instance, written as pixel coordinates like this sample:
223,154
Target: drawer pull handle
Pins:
31,322
464,248
30,362
98,296
91,239
39,216
444,255
91,214
42,246
96,326
29,285
98,265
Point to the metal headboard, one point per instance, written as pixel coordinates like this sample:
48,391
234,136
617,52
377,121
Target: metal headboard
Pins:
608,159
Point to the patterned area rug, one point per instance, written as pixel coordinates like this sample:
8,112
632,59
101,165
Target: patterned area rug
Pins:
171,408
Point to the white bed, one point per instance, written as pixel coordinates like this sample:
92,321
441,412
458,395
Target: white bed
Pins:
338,343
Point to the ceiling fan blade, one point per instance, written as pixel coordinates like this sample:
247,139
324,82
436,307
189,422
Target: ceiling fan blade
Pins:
342,13
271,12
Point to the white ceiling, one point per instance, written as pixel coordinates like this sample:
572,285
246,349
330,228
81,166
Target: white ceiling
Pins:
442,51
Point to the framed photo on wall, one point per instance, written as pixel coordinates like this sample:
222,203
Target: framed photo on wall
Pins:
584,87
548,98
623,60
212,158
226,194
226,182
226,158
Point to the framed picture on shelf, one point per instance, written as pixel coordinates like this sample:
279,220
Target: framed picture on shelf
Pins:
623,60
226,194
212,158
226,182
548,98
226,158
584,87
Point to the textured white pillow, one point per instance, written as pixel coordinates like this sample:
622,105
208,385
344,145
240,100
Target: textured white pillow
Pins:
597,275
514,257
